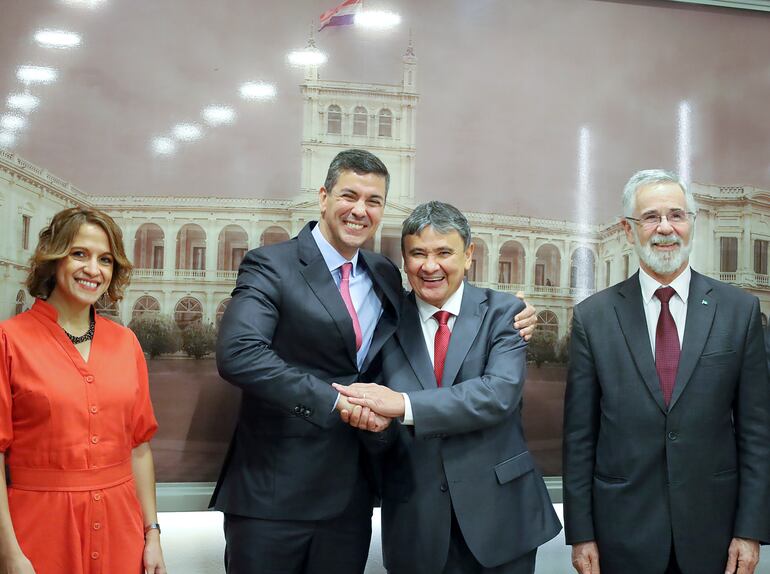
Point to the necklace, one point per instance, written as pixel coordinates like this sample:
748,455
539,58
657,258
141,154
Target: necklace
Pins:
83,338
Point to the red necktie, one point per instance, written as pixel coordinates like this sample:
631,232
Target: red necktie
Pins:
441,343
666,345
345,292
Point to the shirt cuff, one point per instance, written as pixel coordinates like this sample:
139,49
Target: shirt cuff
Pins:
408,417
335,402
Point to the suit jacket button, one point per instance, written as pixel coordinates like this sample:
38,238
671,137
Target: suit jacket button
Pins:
297,410
673,436
443,487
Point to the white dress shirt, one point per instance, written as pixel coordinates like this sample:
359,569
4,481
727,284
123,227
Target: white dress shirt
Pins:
429,328
677,305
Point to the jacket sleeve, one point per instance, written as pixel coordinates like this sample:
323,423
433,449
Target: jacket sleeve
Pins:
245,356
581,429
751,417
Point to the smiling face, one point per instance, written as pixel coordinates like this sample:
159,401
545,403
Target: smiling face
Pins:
664,250
435,264
84,274
352,210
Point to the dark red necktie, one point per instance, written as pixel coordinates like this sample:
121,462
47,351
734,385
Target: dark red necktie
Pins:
441,343
666,344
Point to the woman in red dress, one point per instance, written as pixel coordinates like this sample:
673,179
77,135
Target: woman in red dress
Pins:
75,415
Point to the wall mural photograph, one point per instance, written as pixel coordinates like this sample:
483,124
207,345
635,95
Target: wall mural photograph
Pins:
206,128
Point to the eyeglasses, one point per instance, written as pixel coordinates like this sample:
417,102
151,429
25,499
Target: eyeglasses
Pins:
674,217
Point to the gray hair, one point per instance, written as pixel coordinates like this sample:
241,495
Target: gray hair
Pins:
442,217
650,177
358,161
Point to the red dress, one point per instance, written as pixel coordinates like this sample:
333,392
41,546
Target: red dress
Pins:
67,428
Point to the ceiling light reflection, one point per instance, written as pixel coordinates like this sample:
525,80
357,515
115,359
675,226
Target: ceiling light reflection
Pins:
36,74
187,132
377,19
24,102
163,146
57,39
218,115
12,123
85,3
257,91
7,139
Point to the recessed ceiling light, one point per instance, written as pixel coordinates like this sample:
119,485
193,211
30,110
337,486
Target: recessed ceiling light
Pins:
377,19
36,74
24,102
187,132
163,146
12,123
7,139
218,115
57,39
257,91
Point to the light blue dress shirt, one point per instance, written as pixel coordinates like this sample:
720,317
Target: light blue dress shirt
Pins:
365,301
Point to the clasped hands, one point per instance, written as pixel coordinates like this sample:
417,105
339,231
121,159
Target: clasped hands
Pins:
368,406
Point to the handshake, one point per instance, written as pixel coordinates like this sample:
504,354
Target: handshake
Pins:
368,406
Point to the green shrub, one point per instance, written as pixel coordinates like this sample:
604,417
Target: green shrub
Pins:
157,334
198,340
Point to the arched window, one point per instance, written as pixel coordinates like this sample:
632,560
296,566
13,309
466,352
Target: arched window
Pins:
108,308
149,246
145,305
191,247
189,310
21,300
547,321
581,275
221,310
547,266
232,246
385,128
272,235
359,121
334,120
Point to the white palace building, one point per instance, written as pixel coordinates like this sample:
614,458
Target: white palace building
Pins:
186,250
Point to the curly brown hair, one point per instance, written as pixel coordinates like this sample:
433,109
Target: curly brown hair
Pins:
54,244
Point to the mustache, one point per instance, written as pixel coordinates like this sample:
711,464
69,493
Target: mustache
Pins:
658,239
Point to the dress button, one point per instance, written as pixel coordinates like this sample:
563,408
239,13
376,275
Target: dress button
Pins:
97,525
443,487
94,439
94,409
95,555
297,410
672,435
89,378
97,496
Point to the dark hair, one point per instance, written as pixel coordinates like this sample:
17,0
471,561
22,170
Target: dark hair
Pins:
442,217
359,161
54,244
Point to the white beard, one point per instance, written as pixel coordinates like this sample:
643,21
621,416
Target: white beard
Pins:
662,262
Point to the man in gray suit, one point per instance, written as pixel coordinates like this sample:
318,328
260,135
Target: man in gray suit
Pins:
461,492
667,411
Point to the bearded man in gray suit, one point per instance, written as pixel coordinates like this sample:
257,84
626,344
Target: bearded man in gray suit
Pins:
667,411
461,494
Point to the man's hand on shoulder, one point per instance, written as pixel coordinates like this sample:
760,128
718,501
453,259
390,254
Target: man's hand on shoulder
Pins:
377,398
585,558
526,321
362,418
742,556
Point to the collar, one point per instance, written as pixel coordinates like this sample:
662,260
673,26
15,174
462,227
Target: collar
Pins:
45,309
681,285
331,256
452,304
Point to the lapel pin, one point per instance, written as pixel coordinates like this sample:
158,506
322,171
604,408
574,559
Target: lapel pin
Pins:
704,302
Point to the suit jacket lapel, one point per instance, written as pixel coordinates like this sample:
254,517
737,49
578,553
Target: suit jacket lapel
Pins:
701,308
467,324
413,343
630,311
391,303
320,281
